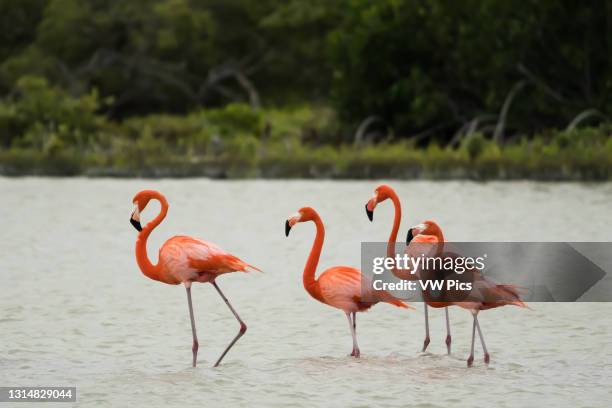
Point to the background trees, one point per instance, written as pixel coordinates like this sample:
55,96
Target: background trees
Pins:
425,69
439,65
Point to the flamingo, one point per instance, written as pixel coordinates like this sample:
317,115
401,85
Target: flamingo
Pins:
339,286
185,260
485,293
382,193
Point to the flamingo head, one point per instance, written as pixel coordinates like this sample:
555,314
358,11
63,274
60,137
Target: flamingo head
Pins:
140,201
429,228
381,193
303,214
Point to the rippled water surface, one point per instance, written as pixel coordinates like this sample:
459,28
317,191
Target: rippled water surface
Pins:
75,309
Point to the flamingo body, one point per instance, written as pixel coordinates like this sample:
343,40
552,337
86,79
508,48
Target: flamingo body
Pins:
384,192
485,293
186,259
341,287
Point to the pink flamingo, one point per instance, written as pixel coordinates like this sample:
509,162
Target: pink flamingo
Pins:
382,193
485,294
185,260
339,286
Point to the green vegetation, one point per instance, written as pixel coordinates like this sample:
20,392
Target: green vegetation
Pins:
481,89
46,131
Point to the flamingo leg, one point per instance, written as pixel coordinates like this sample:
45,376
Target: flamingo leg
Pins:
484,347
470,359
243,326
356,353
426,341
448,333
354,314
196,345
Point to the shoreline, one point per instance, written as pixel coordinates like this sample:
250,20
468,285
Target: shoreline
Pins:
310,173
584,155
236,142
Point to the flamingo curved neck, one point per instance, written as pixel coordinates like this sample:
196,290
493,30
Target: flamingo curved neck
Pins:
142,257
397,218
310,283
396,224
440,246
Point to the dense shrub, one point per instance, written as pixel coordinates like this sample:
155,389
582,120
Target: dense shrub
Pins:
439,64
47,118
45,131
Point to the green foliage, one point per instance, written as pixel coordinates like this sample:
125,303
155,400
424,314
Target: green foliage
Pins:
314,125
187,133
439,64
46,118
168,55
46,131
420,65
235,118
18,19
277,88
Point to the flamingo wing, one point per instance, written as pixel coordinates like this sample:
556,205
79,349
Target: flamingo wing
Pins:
489,294
341,287
186,257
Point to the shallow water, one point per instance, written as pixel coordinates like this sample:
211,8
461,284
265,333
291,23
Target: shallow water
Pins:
77,311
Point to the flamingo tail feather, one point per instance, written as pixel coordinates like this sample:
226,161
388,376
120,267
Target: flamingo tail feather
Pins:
253,268
513,292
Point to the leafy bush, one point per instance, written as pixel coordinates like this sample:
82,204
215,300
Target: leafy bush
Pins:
44,117
43,130
188,134
439,64
235,118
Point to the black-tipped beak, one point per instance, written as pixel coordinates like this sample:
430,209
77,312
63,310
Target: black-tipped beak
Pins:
370,213
287,228
409,236
136,224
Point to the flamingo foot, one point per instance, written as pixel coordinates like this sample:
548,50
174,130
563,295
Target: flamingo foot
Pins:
487,358
448,343
194,350
356,353
425,344
470,360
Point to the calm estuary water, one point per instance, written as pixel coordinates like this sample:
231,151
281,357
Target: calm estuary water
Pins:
76,311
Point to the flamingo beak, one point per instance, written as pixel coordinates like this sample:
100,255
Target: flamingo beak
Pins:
135,219
414,231
369,212
287,228
409,236
371,205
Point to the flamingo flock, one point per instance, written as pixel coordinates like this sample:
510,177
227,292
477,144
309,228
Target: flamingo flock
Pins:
185,260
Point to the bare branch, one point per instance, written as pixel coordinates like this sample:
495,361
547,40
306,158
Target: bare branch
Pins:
499,129
226,71
582,116
539,83
471,127
363,127
248,86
